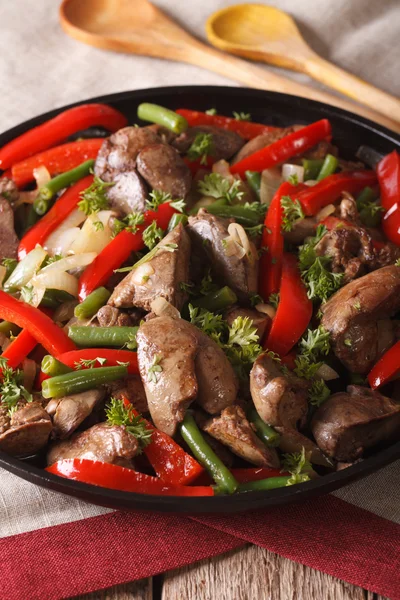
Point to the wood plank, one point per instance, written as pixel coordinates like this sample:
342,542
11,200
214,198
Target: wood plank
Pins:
251,573
137,590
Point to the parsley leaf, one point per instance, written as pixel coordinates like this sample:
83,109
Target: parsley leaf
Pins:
119,414
12,389
298,466
318,392
154,369
201,147
152,235
292,212
216,186
274,299
242,116
131,222
242,332
207,321
293,179
315,343
158,197
84,363
256,299
253,232
320,281
207,285
94,198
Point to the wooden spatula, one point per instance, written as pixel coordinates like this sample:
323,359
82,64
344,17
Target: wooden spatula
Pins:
141,28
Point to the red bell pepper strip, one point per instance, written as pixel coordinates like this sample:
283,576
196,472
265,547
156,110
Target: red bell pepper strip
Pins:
169,460
289,360
38,324
330,189
119,250
66,203
246,129
196,165
59,128
291,145
387,367
388,172
57,160
120,478
294,309
270,266
19,348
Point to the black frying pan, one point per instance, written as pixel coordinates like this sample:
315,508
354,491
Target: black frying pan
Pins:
350,132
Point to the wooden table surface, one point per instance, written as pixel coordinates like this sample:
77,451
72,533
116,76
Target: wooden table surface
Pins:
248,573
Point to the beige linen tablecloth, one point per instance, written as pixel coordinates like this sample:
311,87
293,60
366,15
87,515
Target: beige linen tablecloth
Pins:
41,68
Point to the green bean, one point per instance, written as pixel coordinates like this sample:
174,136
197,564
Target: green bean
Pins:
176,219
365,197
98,337
205,202
206,456
312,167
254,181
218,300
10,265
242,215
264,484
46,193
162,116
9,328
329,167
53,298
265,432
91,304
51,366
80,381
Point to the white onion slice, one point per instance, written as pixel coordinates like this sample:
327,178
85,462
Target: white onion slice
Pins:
325,212
288,170
142,273
60,240
56,280
41,175
232,248
161,306
311,182
25,270
271,179
71,262
266,309
327,373
239,236
91,239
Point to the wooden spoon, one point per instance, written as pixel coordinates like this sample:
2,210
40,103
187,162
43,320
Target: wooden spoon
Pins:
266,33
141,28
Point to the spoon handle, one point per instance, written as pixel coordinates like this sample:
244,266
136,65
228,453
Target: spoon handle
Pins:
239,70
358,89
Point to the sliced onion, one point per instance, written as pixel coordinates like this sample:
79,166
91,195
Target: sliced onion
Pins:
239,236
161,306
142,273
266,309
232,248
325,212
271,179
25,270
311,182
41,175
25,198
91,239
222,168
327,373
70,262
56,280
288,170
59,242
